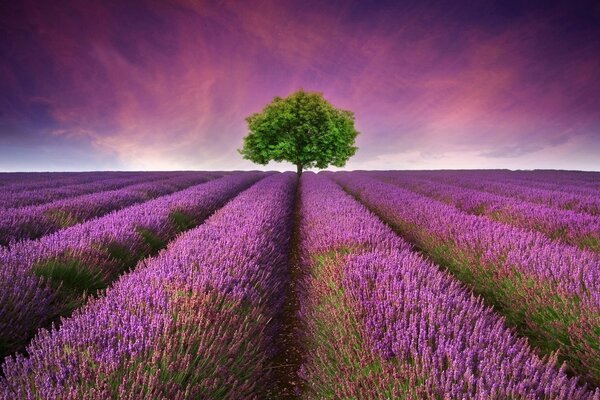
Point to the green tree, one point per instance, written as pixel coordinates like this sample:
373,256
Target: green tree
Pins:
304,129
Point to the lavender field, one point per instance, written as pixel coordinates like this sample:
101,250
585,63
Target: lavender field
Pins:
480,284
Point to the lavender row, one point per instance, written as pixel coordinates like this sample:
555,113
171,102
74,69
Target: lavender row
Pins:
562,181
582,230
582,188
33,222
193,322
10,199
340,361
570,201
47,278
384,323
549,290
590,180
574,179
50,181
15,181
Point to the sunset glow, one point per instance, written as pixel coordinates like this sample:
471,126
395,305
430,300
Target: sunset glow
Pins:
156,85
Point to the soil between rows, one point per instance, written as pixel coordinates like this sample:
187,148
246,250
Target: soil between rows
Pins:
290,349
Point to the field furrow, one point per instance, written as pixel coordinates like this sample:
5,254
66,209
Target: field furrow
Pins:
383,323
36,196
24,181
589,204
44,279
550,292
193,322
33,222
578,229
339,285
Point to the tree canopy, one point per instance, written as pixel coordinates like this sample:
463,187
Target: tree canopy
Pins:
304,129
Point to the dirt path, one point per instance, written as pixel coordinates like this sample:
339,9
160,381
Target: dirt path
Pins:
287,362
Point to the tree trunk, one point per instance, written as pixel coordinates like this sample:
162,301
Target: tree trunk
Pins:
299,169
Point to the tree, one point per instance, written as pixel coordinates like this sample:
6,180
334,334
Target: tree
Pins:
304,129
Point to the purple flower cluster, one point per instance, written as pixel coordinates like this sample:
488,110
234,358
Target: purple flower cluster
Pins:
202,318
549,290
340,361
582,187
584,203
20,181
32,222
381,322
43,279
192,322
586,183
575,228
19,196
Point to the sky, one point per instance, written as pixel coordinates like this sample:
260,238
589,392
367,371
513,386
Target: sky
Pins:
166,85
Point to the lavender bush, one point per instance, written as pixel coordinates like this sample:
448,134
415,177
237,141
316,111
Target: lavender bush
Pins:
384,323
585,203
41,192
190,323
35,221
579,229
550,291
43,279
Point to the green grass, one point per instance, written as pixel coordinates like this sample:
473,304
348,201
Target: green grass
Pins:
154,241
121,255
591,242
337,343
62,218
535,308
70,277
182,221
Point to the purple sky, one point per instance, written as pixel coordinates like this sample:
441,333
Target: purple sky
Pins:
167,84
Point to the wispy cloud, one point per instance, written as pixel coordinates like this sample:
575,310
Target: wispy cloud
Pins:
168,84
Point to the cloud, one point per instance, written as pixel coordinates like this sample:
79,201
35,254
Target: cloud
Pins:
168,84
511,151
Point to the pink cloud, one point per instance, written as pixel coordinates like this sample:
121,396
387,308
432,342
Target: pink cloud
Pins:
170,83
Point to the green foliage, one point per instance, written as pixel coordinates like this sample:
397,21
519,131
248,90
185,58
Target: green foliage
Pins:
71,276
182,221
304,129
62,218
121,255
591,242
154,241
